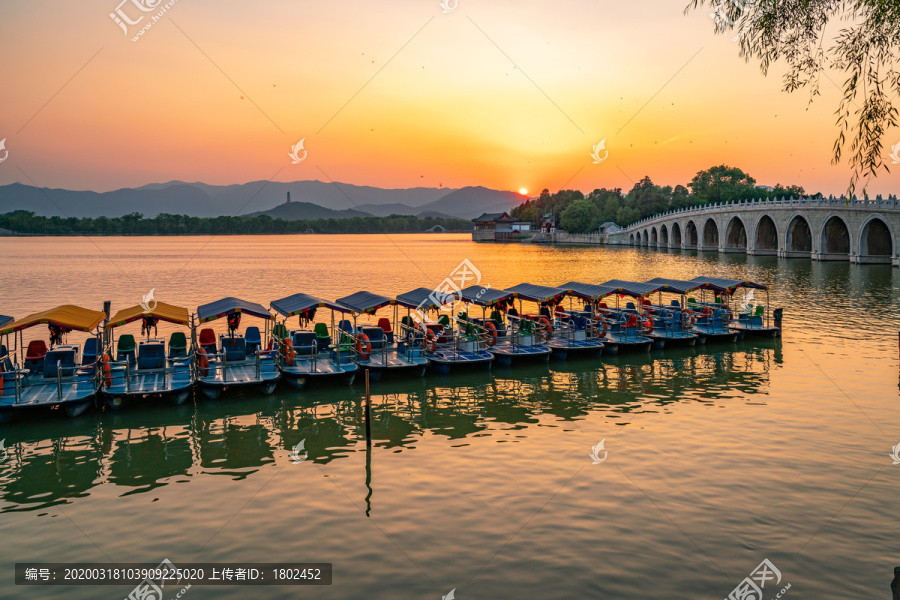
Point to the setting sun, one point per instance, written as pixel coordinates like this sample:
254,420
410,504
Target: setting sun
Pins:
523,191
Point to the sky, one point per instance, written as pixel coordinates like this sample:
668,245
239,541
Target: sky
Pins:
398,94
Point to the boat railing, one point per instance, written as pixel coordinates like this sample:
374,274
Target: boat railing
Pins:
414,337
536,334
479,340
305,352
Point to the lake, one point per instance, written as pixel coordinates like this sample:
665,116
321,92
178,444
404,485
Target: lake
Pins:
719,456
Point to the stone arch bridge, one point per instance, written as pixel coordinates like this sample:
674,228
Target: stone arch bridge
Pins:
859,231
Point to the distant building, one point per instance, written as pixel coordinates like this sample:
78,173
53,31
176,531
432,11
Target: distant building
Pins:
289,198
609,227
498,227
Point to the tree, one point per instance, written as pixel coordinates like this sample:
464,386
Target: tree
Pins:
580,216
721,183
866,49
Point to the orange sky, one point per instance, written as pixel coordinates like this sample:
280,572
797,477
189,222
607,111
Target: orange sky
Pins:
495,93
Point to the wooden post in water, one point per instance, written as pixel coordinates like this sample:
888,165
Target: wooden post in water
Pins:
895,584
368,412
776,315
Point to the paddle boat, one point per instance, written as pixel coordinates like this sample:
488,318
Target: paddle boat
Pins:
61,376
712,316
234,360
387,347
749,318
310,355
679,315
136,370
5,362
570,332
517,339
626,330
449,348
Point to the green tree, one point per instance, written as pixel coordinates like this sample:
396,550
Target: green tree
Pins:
865,47
580,216
721,183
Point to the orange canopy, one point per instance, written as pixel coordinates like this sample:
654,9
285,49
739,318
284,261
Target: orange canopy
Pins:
162,311
68,316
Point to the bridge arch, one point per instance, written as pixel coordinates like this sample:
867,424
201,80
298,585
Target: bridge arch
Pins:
736,234
766,234
676,234
647,238
631,240
834,239
664,235
799,234
692,238
877,239
710,234
654,237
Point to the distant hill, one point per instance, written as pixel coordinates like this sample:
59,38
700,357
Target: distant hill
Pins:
298,211
204,200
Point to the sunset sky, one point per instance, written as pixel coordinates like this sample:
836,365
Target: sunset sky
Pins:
503,94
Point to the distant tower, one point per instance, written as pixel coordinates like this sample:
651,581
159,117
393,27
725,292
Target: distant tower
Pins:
289,198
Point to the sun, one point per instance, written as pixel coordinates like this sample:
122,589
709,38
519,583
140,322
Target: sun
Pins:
523,191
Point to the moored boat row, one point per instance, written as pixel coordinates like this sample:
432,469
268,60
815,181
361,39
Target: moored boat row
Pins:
112,366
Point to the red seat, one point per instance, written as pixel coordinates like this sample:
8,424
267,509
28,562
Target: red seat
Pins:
707,311
36,350
207,337
385,324
632,321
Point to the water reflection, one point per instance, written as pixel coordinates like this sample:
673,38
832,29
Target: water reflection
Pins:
141,450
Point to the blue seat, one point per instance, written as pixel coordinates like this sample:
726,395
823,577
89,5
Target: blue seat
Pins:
253,339
305,342
151,355
90,352
66,363
630,306
376,336
512,312
346,325
235,348
676,303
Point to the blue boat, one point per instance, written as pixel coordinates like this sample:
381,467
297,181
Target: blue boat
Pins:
749,318
517,339
623,329
58,377
571,332
449,348
312,355
235,360
711,315
143,369
674,319
388,347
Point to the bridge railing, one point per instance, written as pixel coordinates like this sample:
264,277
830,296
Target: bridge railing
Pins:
891,202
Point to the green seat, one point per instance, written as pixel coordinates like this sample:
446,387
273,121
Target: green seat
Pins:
408,321
321,330
718,301
526,326
496,316
177,345
760,311
692,301
280,332
444,320
126,343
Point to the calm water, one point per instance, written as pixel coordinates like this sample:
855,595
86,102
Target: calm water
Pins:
718,457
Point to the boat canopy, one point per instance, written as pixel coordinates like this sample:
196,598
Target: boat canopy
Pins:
4,320
163,312
421,297
364,302
676,286
226,306
301,303
729,285
485,296
586,291
537,293
630,288
69,316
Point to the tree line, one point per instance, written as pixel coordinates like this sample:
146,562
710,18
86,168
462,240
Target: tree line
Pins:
27,222
578,213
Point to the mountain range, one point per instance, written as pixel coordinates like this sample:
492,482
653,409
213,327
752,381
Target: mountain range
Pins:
313,200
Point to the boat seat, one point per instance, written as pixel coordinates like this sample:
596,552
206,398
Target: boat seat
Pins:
512,312
234,347
630,306
545,312
676,304
178,345
279,332
253,339
376,336
346,325
151,355
37,350
526,326
125,348
692,301
385,325
322,336
6,365
631,322
760,311
305,343
707,311
90,352
66,360
407,321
